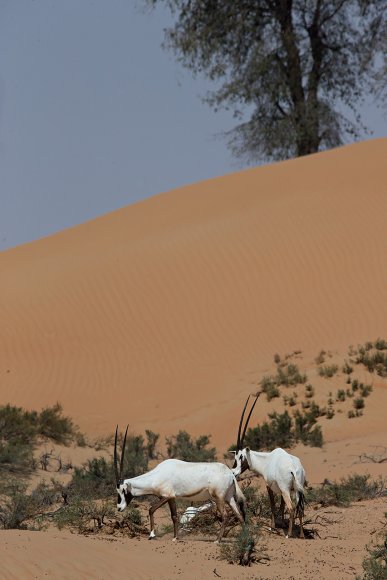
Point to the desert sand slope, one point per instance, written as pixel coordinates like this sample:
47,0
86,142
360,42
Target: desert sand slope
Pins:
164,313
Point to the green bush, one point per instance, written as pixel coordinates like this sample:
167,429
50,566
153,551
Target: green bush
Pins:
182,446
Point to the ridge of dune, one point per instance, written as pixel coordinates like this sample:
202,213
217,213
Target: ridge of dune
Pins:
164,313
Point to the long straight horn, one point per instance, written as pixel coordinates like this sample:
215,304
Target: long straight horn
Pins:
123,453
248,419
115,458
239,442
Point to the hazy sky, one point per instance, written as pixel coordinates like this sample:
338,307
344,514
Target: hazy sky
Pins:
94,115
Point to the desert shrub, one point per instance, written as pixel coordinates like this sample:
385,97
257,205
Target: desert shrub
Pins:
347,368
257,504
285,431
243,549
151,441
375,564
277,433
373,357
287,375
15,458
269,387
130,522
350,489
290,375
94,479
53,425
359,403
19,430
365,390
84,515
272,391
18,509
340,395
305,429
182,446
328,371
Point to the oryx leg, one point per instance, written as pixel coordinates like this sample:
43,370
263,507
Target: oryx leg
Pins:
289,505
220,504
238,510
152,510
172,507
282,511
272,506
300,513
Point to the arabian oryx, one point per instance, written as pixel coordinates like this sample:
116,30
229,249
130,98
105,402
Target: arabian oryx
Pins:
282,472
173,478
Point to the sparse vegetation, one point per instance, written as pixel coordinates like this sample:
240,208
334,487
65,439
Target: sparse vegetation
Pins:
350,489
328,371
373,356
287,374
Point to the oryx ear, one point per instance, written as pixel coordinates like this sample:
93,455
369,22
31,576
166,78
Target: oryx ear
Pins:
247,449
232,452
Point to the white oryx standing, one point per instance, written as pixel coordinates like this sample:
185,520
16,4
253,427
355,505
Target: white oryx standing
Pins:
173,478
282,472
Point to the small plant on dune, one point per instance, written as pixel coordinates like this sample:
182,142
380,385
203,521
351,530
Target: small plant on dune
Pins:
358,403
365,390
340,395
328,371
320,358
288,374
347,368
182,446
243,549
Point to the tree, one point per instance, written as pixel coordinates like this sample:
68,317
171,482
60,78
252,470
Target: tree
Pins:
293,65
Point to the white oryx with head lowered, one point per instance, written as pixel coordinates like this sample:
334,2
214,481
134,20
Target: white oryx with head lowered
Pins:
173,478
282,472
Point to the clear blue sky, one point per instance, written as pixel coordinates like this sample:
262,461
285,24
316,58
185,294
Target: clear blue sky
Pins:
94,115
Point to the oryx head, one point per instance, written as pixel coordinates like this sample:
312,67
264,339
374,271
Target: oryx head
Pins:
241,454
123,489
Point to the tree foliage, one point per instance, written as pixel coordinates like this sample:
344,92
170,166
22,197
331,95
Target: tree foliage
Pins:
293,66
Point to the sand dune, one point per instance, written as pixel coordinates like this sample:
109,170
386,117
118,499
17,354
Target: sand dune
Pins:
164,313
